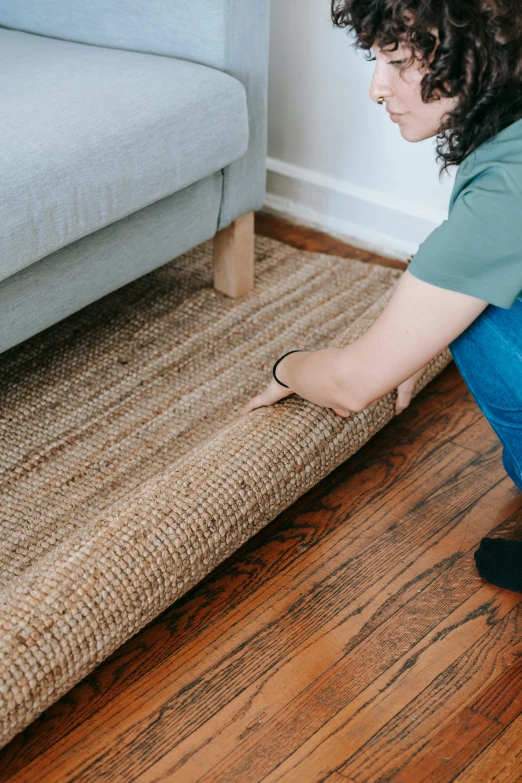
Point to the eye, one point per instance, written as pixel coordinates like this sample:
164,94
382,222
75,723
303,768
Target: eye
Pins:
396,62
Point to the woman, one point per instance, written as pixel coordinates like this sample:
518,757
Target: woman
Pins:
451,69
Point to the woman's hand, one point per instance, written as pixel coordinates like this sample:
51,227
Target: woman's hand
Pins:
404,394
344,412
273,393
405,391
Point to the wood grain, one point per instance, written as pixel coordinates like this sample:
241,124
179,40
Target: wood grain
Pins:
501,761
233,257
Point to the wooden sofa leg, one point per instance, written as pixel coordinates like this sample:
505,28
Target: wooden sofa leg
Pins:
233,267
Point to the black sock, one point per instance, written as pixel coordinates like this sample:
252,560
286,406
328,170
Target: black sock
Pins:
499,561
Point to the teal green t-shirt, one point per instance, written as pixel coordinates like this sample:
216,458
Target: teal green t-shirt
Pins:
478,249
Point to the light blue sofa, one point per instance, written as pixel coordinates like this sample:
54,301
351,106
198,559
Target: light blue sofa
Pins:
130,132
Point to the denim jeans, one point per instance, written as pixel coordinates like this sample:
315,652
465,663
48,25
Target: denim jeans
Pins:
488,355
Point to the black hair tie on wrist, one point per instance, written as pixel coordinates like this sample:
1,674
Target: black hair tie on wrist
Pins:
296,350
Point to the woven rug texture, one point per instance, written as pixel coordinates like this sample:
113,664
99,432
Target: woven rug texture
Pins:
126,474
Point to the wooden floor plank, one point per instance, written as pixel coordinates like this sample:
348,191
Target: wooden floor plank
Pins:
314,240
500,761
350,640
502,699
438,725
341,714
303,237
451,749
477,436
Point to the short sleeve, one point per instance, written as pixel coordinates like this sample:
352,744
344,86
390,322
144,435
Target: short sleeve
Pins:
478,249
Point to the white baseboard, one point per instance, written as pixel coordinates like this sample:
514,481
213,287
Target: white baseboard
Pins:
366,218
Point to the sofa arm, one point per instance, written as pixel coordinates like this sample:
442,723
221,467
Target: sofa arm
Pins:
231,35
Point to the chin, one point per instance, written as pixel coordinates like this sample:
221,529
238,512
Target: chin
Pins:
410,135
416,134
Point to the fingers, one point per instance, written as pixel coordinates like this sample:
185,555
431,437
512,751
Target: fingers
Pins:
255,402
402,401
344,412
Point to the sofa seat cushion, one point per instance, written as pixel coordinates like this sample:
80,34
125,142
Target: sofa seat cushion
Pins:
90,134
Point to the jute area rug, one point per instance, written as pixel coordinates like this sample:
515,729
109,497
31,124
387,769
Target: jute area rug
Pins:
126,473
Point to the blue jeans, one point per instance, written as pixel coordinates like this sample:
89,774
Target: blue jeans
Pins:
488,355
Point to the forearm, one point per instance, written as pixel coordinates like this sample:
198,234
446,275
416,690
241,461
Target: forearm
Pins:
328,377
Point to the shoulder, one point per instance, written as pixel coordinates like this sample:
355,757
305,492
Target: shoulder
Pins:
494,167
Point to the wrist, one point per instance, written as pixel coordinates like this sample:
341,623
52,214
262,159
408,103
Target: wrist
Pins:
279,372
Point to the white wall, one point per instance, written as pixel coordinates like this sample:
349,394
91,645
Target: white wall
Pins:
335,159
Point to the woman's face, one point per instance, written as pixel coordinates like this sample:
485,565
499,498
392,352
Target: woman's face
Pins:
401,92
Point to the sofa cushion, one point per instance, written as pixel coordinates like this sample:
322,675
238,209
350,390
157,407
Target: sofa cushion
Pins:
91,134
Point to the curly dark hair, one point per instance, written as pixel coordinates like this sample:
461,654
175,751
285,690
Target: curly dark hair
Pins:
478,59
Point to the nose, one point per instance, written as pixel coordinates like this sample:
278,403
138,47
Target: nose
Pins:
379,86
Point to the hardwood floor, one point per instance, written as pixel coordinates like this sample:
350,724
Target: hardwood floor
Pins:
350,640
